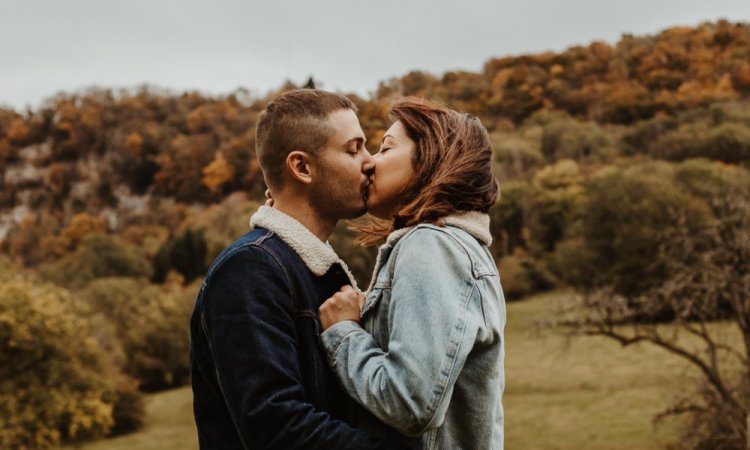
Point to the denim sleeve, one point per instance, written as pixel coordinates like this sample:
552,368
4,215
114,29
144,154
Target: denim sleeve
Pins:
249,324
433,326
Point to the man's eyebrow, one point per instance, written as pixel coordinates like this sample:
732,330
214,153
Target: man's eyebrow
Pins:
358,140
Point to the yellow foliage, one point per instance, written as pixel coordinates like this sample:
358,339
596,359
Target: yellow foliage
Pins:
52,388
80,225
217,173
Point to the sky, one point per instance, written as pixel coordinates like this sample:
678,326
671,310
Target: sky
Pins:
218,46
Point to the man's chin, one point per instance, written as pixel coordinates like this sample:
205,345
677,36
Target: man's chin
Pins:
358,213
351,213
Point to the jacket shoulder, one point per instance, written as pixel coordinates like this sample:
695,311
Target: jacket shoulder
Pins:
259,247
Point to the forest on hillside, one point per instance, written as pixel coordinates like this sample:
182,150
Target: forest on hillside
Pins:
624,169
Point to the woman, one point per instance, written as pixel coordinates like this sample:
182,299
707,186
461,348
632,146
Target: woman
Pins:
427,359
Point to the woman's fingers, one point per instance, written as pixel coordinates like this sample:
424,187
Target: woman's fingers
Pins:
344,305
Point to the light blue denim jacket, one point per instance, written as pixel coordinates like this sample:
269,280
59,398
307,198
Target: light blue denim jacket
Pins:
429,360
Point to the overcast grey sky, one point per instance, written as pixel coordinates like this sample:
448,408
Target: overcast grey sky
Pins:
217,46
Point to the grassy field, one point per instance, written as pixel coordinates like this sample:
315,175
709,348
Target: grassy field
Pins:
584,394
169,426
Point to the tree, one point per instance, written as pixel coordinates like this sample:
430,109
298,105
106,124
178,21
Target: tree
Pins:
150,325
217,174
691,273
97,256
54,383
185,254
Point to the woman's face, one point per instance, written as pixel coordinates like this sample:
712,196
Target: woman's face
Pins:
392,174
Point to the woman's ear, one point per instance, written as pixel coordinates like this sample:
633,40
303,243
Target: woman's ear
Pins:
298,166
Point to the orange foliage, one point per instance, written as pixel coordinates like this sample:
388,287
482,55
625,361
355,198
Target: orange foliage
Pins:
19,131
81,225
58,178
134,144
217,173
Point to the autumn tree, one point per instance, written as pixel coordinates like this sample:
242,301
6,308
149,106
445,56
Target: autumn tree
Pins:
217,174
55,385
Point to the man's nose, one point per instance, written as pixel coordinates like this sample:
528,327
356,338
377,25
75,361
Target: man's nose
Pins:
368,163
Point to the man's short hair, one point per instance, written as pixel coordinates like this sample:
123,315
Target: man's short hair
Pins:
295,120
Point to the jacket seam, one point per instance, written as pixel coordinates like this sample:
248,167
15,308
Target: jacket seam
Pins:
459,341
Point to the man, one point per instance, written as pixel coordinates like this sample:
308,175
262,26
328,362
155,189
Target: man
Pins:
260,380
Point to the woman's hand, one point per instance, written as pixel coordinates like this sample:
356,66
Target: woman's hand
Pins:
346,304
269,198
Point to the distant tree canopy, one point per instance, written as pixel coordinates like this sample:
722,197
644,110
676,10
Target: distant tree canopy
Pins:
192,147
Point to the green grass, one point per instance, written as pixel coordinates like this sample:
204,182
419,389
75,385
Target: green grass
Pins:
583,393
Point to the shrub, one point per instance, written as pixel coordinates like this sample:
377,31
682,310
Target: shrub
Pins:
129,410
151,326
629,214
568,138
640,136
508,218
556,204
515,277
571,261
97,256
53,382
522,275
186,254
515,154
728,142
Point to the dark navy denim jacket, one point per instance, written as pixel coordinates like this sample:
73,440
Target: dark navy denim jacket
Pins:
259,375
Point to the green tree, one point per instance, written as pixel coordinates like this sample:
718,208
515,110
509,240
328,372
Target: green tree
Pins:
150,328
186,254
678,251
97,256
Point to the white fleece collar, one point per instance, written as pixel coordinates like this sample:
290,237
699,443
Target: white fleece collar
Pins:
317,255
475,223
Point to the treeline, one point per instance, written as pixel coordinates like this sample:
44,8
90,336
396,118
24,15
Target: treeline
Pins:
623,169
194,148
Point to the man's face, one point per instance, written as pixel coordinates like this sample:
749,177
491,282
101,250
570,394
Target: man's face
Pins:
340,182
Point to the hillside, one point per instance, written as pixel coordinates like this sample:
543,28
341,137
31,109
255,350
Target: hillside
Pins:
625,177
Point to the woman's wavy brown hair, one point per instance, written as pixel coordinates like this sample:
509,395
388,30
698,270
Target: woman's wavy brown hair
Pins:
452,163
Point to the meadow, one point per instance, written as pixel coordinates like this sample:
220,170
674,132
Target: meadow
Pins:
581,393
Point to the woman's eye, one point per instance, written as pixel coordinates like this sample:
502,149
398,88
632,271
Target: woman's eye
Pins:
384,149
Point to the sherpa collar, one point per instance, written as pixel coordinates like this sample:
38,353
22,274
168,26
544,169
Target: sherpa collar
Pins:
473,222
317,255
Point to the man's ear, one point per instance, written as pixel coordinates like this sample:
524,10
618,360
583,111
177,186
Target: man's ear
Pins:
298,164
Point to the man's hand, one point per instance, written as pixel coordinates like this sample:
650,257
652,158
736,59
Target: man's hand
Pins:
346,304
